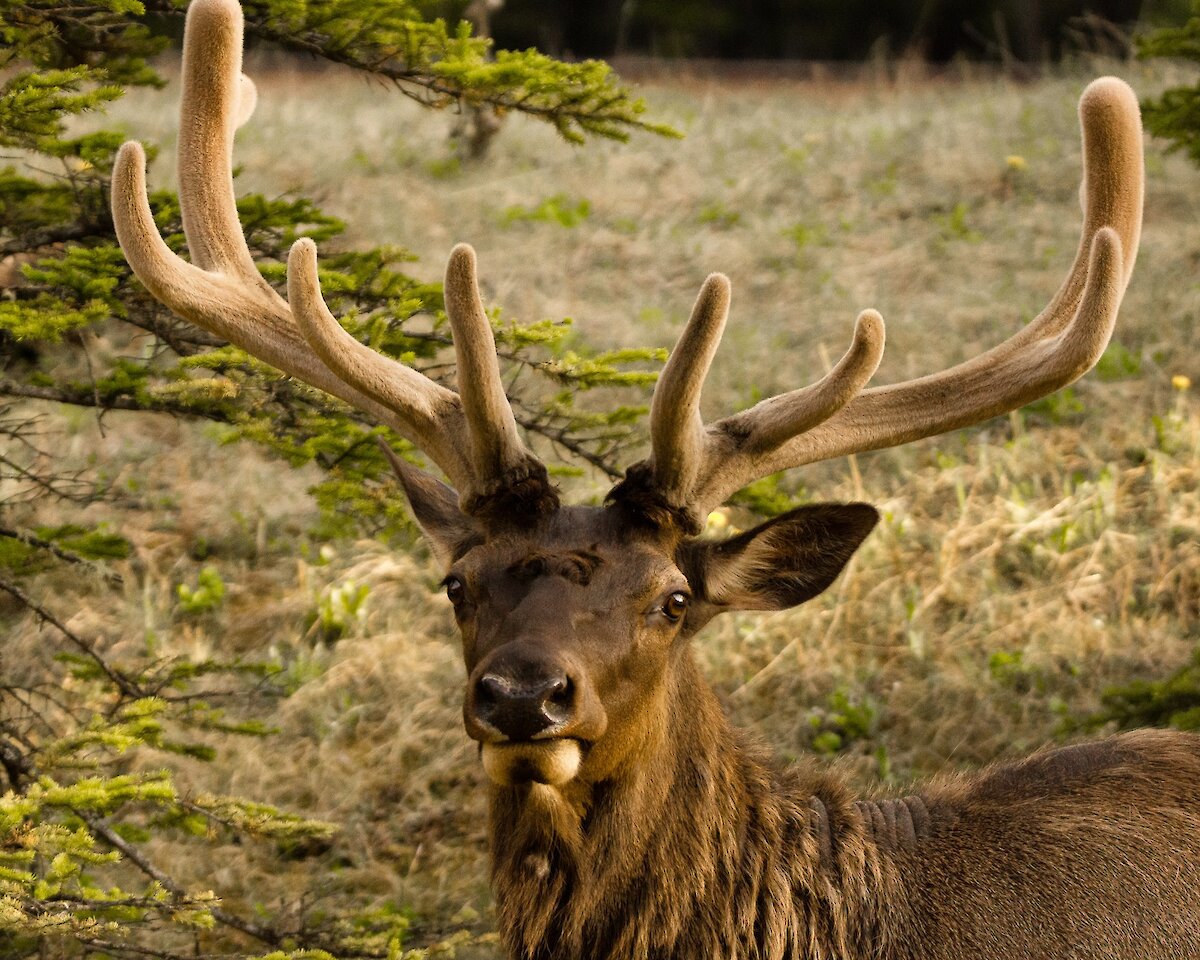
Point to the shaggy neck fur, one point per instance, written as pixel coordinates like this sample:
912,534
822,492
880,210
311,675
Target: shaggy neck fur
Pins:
699,849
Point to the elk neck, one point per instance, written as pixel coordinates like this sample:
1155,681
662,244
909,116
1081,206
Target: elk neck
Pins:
696,846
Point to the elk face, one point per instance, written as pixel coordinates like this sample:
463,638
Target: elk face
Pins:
568,632
572,625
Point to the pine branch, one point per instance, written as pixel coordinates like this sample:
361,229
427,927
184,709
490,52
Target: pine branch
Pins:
59,233
436,68
561,436
263,934
81,397
30,540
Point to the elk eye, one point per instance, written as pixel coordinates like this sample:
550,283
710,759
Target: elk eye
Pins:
675,606
454,590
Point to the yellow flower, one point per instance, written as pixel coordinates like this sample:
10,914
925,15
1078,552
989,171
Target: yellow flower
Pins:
1181,382
1015,162
718,520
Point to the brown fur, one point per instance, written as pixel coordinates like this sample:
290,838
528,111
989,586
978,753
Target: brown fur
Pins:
523,492
678,838
702,849
638,493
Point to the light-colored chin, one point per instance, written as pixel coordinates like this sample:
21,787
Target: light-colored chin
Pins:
553,762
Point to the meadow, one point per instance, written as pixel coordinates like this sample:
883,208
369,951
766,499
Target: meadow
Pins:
1021,569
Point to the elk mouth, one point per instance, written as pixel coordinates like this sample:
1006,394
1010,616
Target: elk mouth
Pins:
552,761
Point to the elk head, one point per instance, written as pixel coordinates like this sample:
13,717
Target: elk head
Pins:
574,619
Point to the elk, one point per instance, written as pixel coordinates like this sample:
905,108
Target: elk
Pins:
628,819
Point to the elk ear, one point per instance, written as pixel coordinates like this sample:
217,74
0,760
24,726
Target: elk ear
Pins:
778,564
435,507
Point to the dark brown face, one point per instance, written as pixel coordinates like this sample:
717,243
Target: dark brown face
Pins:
572,622
568,633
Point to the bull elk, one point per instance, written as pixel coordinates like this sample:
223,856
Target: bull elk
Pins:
627,818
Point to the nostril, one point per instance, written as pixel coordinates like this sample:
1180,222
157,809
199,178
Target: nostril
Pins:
491,688
522,708
560,692
557,699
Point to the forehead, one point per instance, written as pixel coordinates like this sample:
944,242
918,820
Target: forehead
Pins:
580,544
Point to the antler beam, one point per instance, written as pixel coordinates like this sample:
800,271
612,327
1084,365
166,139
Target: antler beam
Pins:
470,435
693,467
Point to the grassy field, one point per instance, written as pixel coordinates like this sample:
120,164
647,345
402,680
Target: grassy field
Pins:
1022,567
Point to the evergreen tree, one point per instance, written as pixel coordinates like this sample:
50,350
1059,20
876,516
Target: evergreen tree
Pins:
79,730
1175,116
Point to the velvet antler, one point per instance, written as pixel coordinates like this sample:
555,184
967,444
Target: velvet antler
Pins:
472,435
693,467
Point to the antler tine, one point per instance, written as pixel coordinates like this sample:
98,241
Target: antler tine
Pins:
211,107
433,416
680,444
496,447
222,291
774,421
1057,348
676,428
253,317
685,453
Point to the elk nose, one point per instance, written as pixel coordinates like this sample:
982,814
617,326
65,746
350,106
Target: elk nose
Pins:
521,709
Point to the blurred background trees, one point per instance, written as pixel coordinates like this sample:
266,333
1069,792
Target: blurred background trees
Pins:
1175,116
939,30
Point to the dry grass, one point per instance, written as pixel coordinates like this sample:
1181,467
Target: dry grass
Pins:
1021,568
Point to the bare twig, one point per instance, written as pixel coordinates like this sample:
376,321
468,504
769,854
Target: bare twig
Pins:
126,685
15,764
65,487
41,239
138,950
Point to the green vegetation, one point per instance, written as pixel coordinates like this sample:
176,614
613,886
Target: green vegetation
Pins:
205,596
1143,703
1021,569
1175,114
558,209
841,723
